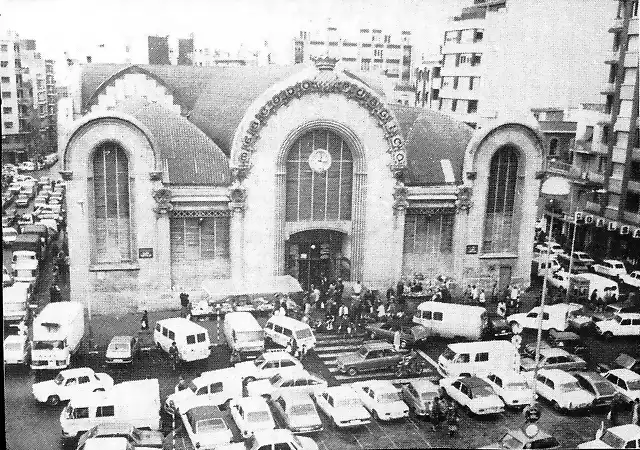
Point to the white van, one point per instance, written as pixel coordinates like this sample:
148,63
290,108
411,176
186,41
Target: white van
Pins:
452,320
133,402
540,265
15,301
215,387
554,317
192,339
244,334
478,358
281,329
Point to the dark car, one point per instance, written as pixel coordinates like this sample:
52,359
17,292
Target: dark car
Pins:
570,342
597,385
136,437
371,356
497,328
409,334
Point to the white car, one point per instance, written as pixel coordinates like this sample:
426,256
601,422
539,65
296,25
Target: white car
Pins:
562,390
39,202
9,235
554,317
108,443
622,324
122,350
251,414
610,268
298,412
626,381
206,427
556,249
267,365
474,394
511,387
559,279
342,406
16,349
633,279
623,436
294,381
382,399
273,439
69,383
27,166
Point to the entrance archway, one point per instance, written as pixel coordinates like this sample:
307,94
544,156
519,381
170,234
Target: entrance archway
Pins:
312,254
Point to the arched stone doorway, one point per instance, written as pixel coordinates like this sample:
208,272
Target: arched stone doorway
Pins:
312,254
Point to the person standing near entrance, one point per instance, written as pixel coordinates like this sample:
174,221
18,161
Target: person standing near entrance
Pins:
357,288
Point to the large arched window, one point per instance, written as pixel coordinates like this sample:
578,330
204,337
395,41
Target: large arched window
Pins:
500,225
111,208
319,178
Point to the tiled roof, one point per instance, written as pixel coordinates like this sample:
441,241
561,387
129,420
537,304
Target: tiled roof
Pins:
429,138
191,157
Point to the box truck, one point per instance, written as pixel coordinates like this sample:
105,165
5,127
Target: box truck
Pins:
478,358
57,334
135,402
452,320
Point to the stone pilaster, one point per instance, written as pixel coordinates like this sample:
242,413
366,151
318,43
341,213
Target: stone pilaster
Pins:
279,229
163,248
358,228
400,204
237,206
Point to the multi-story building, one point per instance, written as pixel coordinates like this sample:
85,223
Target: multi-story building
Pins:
499,63
371,50
28,100
428,83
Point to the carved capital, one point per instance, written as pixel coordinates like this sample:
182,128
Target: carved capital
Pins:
464,203
238,196
67,175
162,196
400,194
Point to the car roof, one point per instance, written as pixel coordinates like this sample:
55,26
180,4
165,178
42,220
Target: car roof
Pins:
614,261
121,339
204,412
473,381
252,402
340,392
626,432
185,324
378,385
553,351
112,428
591,376
14,338
424,385
625,374
508,375
279,354
75,372
376,345
557,374
272,436
296,397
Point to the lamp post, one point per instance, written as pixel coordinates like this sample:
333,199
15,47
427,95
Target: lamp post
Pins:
554,188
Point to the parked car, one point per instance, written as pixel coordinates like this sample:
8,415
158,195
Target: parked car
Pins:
559,279
297,412
418,394
554,358
17,350
511,387
409,335
273,439
610,268
294,381
499,327
7,278
519,439
138,438
554,316
541,249
26,219
474,394
23,200
9,236
207,426
40,202
251,414
565,340
601,388
623,324
626,381
267,365
632,279
562,390
109,443
382,399
27,166
122,350
371,356
622,436
71,382
342,406
579,259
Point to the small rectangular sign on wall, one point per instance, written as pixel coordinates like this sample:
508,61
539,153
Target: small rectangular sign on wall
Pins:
145,253
472,249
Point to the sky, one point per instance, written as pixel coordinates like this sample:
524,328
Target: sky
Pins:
76,25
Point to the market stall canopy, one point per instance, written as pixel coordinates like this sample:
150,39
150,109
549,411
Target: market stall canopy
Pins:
220,289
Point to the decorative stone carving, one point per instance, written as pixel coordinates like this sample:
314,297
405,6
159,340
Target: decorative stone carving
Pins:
162,196
238,196
324,62
66,175
464,203
324,84
400,194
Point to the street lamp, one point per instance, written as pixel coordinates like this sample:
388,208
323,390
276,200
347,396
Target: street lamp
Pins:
553,188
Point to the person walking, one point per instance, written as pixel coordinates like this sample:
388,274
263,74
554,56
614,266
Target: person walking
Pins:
343,317
482,299
435,413
55,293
174,353
144,322
635,411
289,347
182,384
184,304
501,309
616,408
452,420
475,294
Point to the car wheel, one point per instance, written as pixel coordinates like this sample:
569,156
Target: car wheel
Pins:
608,335
53,400
352,372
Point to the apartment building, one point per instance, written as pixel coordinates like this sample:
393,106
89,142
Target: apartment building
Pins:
28,100
370,50
428,83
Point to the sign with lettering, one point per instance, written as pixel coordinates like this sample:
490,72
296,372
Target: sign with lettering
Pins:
145,253
472,249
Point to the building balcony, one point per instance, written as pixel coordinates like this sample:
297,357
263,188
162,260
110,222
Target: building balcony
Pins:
612,57
600,148
632,218
592,207
633,185
635,154
622,124
611,213
616,25
619,155
595,177
631,59
615,185
607,88
633,26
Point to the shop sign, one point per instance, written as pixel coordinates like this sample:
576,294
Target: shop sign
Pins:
145,253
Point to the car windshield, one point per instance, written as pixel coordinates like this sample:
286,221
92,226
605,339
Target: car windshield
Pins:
259,361
59,379
569,386
389,397
119,347
303,333
604,388
258,416
517,386
482,391
347,403
192,387
48,345
275,379
427,396
449,354
210,425
302,410
510,441
634,385
612,440
249,336
363,351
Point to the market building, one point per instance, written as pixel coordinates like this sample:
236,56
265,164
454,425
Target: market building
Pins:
181,174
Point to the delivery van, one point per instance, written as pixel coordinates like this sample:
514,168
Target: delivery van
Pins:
582,287
539,265
15,301
452,320
192,339
555,317
57,333
243,334
134,402
281,329
478,358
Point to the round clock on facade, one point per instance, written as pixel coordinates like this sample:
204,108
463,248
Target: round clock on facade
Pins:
319,160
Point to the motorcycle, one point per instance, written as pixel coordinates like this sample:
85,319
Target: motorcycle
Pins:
410,365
